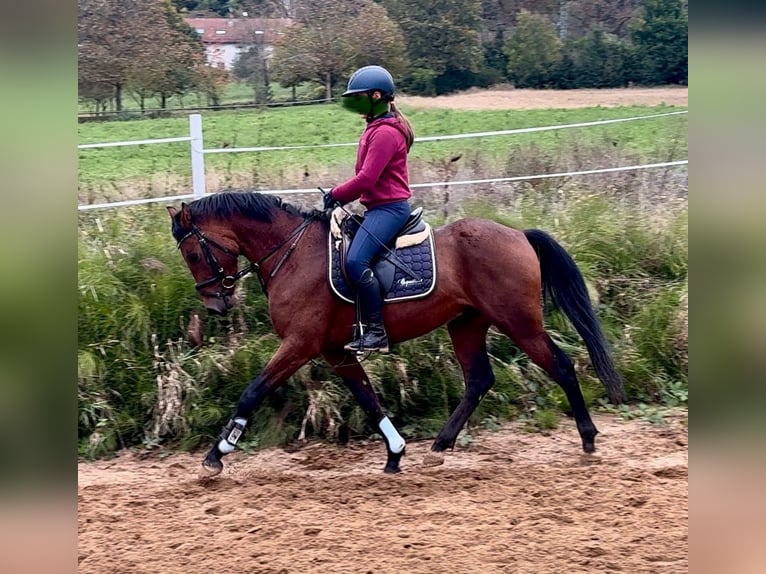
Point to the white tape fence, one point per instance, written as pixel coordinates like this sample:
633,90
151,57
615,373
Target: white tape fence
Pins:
198,152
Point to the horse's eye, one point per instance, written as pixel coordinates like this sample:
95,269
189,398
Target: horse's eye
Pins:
193,258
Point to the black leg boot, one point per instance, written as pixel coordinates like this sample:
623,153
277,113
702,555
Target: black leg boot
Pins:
373,335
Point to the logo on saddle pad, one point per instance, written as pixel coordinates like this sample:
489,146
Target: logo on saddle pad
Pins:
408,282
407,272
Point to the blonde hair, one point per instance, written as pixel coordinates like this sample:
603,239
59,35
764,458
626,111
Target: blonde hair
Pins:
410,137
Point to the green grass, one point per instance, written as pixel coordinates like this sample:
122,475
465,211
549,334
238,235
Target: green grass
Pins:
168,165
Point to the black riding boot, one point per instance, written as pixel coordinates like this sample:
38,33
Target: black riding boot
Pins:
370,299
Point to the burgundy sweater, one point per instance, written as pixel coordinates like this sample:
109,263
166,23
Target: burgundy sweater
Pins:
381,166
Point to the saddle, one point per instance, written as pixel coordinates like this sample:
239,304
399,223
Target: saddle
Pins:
408,272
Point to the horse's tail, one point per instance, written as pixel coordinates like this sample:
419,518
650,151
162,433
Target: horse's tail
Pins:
564,285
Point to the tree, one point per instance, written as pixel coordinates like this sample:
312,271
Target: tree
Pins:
332,38
173,71
111,37
142,45
599,61
252,67
219,7
270,8
495,59
534,51
443,42
661,39
100,94
211,81
229,8
183,59
611,16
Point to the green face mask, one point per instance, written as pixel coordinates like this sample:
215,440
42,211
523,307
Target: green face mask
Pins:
363,105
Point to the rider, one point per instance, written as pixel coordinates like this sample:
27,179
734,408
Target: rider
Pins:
381,185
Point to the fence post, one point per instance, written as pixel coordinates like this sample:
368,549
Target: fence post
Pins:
197,155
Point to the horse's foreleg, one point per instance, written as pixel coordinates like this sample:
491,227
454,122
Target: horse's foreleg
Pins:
348,368
469,339
284,363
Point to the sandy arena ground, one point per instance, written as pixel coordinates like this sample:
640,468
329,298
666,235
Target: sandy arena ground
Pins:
512,502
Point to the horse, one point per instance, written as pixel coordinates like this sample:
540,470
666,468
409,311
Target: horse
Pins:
488,275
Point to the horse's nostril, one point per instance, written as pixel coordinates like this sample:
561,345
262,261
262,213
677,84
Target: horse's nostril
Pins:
216,306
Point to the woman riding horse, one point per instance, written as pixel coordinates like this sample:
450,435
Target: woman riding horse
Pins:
381,185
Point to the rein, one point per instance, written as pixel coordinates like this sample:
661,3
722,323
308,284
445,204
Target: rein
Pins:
228,281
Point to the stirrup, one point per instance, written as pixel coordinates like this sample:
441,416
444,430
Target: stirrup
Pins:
362,350
359,347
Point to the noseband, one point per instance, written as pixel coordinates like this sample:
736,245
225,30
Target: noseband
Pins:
228,281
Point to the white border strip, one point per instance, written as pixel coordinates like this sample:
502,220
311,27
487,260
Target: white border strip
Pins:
134,142
548,175
415,185
546,128
133,202
450,137
275,148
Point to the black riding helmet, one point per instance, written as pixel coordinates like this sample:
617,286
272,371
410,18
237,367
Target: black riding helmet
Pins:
358,95
371,78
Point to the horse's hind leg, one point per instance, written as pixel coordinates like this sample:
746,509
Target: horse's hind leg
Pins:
347,366
541,349
469,339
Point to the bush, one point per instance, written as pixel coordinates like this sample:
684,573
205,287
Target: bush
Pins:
661,39
599,60
420,81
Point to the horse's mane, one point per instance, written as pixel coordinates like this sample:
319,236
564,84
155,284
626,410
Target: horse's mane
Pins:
250,204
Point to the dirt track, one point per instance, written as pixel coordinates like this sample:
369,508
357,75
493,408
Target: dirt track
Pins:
512,502
538,99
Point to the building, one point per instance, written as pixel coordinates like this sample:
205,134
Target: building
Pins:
225,38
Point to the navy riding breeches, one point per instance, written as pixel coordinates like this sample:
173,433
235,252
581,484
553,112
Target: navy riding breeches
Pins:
382,222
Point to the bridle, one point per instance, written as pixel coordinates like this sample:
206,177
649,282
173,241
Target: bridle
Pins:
228,281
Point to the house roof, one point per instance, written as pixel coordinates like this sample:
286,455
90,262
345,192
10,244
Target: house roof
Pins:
239,30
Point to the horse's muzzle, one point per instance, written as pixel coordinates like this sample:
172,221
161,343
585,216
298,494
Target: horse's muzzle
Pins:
218,305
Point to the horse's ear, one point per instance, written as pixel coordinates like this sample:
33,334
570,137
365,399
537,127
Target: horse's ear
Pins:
172,211
186,216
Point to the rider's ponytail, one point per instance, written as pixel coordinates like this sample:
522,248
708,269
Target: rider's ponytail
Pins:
404,121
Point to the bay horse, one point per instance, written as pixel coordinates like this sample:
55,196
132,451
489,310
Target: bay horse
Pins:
488,275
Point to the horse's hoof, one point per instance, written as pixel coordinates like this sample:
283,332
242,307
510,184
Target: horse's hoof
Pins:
433,458
589,447
209,469
392,470
589,458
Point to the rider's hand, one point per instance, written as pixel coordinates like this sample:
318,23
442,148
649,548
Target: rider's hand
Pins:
329,202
